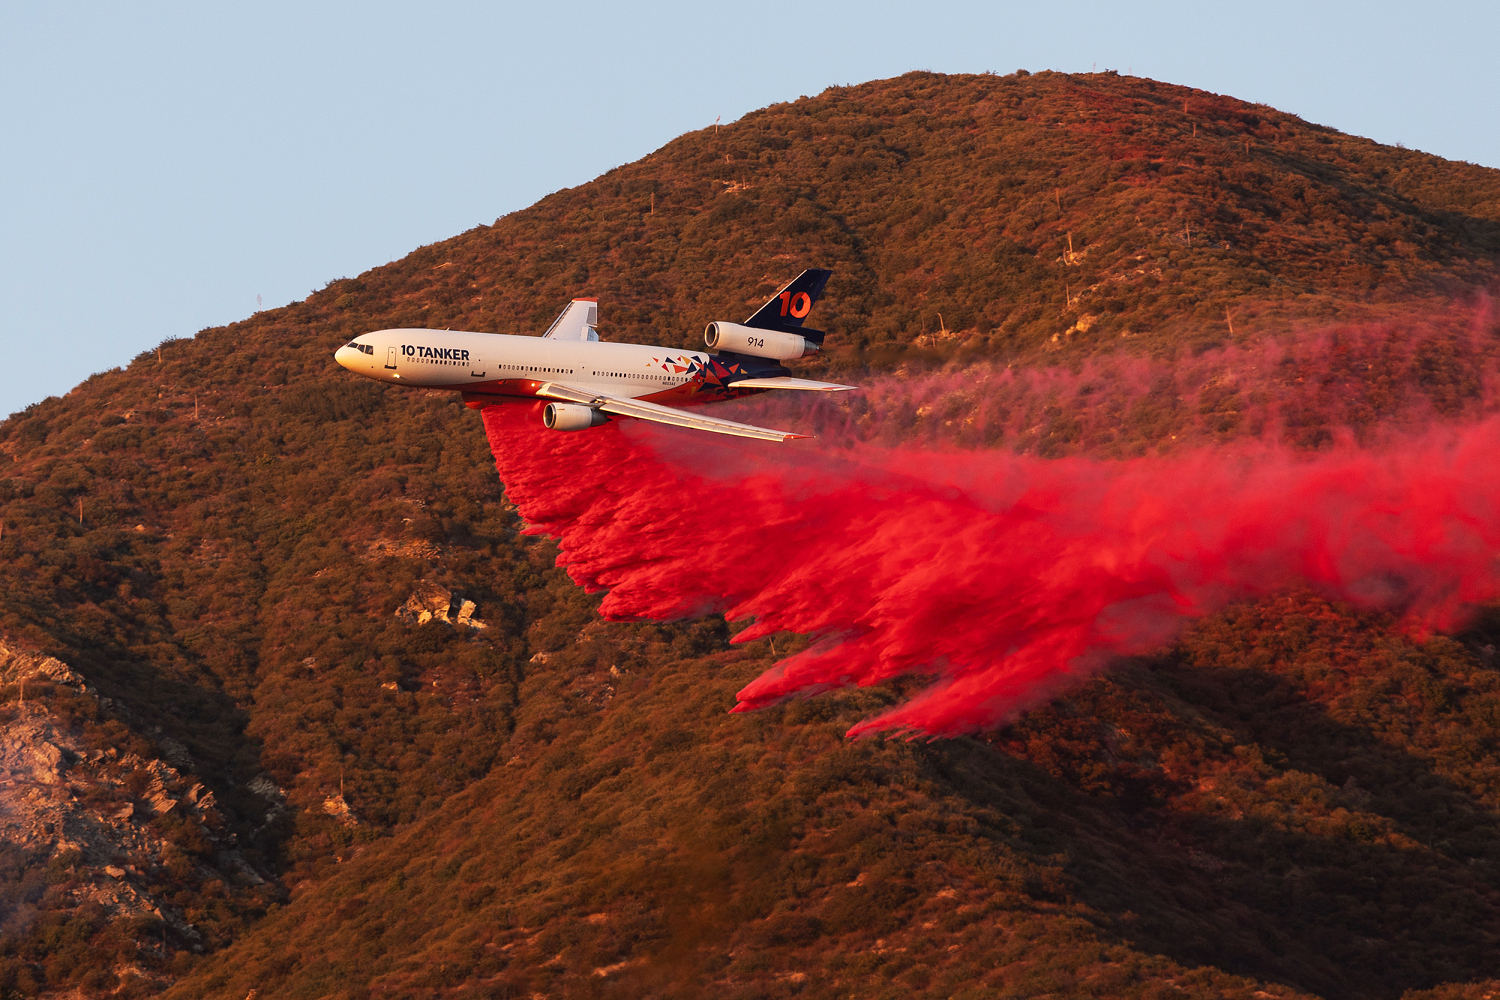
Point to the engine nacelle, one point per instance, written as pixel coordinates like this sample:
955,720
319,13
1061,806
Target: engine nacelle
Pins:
775,344
571,417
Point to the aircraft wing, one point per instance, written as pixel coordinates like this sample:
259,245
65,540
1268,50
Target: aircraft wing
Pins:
576,321
642,410
787,382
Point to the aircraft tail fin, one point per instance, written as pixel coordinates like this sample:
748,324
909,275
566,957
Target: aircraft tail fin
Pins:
786,310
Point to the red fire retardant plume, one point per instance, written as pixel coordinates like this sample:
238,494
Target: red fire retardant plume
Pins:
998,576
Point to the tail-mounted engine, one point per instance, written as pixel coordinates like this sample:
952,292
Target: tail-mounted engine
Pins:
778,345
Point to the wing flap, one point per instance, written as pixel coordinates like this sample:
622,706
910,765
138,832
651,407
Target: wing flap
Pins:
655,412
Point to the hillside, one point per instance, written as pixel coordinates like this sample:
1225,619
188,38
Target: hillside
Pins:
292,703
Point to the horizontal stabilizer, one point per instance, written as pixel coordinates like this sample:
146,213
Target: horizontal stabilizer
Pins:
787,382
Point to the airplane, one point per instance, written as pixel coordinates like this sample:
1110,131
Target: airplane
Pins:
587,381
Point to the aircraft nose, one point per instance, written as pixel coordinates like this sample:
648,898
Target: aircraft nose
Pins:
345,356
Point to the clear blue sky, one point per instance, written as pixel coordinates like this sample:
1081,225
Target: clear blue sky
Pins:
168,165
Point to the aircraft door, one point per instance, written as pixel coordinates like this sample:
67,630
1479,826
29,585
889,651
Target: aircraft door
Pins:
390,358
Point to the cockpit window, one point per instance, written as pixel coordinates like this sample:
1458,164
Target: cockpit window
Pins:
362,348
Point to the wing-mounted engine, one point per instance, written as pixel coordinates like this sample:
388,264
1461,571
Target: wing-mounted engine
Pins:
571,417
779,345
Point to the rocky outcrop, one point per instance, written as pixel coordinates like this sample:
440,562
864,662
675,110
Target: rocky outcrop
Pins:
18,666
430,602
93,815
337,807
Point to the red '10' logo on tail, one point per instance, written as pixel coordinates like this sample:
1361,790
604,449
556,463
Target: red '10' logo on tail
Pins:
786,310
796,304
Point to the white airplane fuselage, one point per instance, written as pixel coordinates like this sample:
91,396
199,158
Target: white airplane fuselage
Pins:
499,365
588,382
